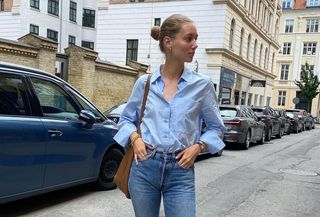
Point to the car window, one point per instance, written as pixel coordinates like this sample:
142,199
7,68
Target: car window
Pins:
228,112
258,111
13,98
53,100
87,105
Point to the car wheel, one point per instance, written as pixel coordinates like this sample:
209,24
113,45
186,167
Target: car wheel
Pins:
108,169
280,133
263,137
269,133
218,154
246,143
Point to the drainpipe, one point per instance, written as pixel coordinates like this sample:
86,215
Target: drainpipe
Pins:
60,31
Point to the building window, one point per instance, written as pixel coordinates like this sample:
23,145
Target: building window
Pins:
272,62
231,33
241,41
88,44
53,7
310,68
260,56
282,98
53,35
255,51
34,29
309,48
88,18
289,26
313,3
157,21
73,11
34,4
284,74
286,4
286,48
266,58
243,98
132,50
249,99
226,96
248,46
261,101
72,40
312,25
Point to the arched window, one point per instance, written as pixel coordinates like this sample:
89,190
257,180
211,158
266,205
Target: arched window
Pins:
260,56
231,33
272,62
255,51
266,58
248,46
241,41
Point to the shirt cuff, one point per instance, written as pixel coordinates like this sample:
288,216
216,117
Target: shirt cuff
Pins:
123,135
213,140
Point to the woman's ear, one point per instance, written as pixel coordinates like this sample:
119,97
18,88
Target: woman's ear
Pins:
167,42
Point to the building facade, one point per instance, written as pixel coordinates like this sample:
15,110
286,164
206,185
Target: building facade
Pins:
237,41
300,40
64,21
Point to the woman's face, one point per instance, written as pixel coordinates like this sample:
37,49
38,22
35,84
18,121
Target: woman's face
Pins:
184,44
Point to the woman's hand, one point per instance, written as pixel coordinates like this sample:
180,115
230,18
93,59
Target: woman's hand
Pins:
188,156
139,149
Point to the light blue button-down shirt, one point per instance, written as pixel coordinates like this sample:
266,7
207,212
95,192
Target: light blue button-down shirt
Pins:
175,124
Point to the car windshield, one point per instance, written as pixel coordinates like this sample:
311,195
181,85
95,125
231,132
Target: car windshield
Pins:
228,112
258,111
289,114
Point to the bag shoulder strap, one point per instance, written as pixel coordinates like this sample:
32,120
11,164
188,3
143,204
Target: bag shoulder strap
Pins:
145,96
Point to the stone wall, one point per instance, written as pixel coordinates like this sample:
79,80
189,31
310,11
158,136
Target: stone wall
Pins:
103,83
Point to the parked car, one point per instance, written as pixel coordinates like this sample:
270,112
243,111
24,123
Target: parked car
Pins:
284,120
51,136
269,117
312,121
295,122
243,126
303,115
114,112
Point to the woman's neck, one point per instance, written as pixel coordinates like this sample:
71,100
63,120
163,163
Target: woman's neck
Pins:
172,70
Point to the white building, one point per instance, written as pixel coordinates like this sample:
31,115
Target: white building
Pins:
236,45
65,21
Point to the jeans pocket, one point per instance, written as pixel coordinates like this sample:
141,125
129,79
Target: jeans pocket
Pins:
178,165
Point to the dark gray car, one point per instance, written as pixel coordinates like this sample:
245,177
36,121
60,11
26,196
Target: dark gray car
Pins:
243,126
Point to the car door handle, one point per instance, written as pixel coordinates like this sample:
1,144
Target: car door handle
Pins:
55,133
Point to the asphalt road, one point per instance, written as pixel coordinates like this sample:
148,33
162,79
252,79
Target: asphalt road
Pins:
278,179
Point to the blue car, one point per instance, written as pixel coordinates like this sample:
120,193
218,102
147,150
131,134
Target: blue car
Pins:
51,137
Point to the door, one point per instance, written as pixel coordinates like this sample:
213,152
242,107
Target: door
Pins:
22,143
71,146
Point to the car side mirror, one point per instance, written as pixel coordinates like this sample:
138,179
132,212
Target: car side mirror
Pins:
88,117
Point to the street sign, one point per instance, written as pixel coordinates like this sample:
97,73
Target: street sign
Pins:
296,100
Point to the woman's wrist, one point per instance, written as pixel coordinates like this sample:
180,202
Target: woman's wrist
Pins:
134,138
203,146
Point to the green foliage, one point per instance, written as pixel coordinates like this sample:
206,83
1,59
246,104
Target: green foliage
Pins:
308,83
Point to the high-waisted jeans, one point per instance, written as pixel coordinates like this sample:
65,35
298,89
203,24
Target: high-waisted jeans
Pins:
160,175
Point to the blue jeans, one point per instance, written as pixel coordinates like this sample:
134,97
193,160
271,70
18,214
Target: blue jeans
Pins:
157,176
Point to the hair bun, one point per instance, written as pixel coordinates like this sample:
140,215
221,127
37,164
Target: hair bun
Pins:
155,32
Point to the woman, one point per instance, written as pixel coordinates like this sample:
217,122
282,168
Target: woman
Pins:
170,137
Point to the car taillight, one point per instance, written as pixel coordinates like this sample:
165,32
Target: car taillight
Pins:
233,123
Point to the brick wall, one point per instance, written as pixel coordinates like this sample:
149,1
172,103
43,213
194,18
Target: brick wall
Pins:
103,83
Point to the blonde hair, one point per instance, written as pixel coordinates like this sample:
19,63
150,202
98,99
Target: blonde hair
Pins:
170,27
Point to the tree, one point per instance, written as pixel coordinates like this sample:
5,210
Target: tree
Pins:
308,84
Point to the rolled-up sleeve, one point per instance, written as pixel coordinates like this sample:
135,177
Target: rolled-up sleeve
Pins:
130,114
214,123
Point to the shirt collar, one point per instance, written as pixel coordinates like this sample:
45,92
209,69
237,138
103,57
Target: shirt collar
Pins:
186,75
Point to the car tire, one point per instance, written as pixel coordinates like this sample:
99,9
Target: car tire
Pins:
218,154
108,169
263,137
279,135
246,144
268,135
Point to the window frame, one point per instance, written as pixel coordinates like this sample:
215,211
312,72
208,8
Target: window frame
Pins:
286,48
49,31
284,72
88,18
89,43
70,43
288,26
157,21
282,97
35,4
34,27
132,51
53,7
73,11
312,25
309,46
